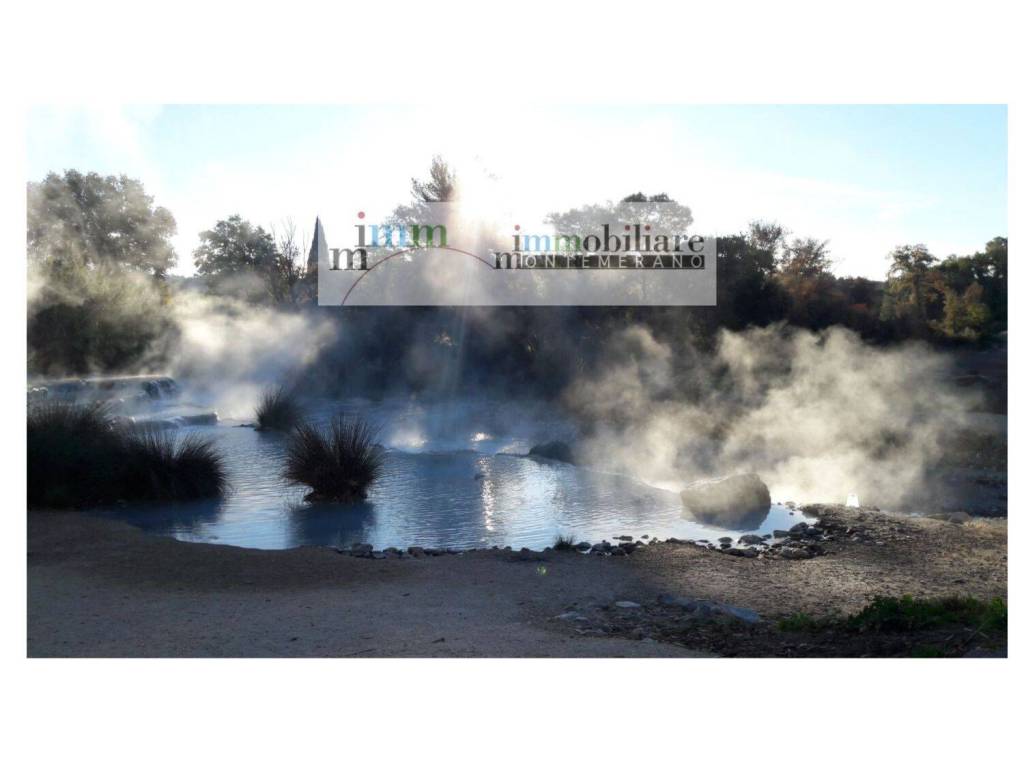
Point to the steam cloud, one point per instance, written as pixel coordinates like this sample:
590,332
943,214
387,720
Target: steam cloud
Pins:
229,350
818,416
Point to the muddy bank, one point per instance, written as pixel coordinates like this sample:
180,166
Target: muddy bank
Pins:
101,588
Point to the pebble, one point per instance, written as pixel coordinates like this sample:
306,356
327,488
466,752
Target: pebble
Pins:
626,604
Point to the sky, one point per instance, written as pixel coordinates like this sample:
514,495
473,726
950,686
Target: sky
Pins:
865,178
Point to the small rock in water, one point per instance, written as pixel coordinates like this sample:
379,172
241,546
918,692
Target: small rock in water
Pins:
750,538
623,538
628,604
726,540
583,546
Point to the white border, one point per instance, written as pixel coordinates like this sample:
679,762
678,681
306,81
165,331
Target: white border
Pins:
503,712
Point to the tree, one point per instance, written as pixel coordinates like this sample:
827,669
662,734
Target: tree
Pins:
965,315
237,257
88,220
913,288
440,188
767,236
289,269
667,217
806,258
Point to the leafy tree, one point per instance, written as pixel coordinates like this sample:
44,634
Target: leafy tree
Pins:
767,236
914,289
668,218
806,258
240,258
91,220
965,315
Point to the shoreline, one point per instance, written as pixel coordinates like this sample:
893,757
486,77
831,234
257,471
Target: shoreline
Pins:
98,587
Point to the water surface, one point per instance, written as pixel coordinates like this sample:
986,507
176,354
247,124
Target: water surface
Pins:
454,476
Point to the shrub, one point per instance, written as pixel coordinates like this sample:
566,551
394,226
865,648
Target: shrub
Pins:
79,457
278,409
339,462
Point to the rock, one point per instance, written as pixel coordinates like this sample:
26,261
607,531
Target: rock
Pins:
739,501
709,609
623,538
725,540
628,604
556,449
794,553
733,551
415,551
618,552
583,546
799,528
750,538
958,517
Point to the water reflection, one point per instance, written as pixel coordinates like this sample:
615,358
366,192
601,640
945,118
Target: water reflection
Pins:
732,520
338,525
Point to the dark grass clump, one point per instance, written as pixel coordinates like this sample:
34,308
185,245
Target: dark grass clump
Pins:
72,455
160,467
564,543
909,614
78,456
339,462
278,410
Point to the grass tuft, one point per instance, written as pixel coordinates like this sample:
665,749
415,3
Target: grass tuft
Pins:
339,462
278,409
71,452
79,457
564,543
160,467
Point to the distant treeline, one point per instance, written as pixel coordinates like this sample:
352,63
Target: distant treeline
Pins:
100,299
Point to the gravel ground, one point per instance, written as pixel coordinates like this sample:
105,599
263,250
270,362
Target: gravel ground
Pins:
102,588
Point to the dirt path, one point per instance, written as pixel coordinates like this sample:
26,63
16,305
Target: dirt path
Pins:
99,588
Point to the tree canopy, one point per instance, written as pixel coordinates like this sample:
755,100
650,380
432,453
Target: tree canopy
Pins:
89,220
